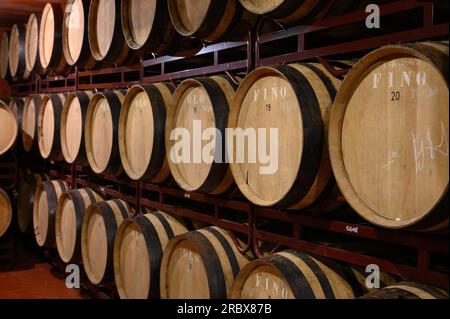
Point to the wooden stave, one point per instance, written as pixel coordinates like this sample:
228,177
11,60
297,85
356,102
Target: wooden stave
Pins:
37,99
21,68
57,63
114,99
219,179
53,194
5,74
26,198
7,200
113,219
81,203
158,168
119,51
32,69
312,160
84,99
297,278
213,265
57,101
215,26
85,60
159,41
13,138
155,247
437,219
408,290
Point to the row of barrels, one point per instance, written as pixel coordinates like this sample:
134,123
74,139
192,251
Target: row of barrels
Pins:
88,33
389,152
155,256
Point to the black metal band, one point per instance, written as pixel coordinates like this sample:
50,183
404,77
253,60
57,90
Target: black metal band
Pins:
165,224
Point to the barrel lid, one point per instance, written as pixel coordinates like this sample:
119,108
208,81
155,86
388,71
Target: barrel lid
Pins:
102,25
5,212
47,35
73,30
8,124
188,15
390,151
138,19
31,42
14,48
4,54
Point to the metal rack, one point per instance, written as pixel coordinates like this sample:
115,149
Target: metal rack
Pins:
421,251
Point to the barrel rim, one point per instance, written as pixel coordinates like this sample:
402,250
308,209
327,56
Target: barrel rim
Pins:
62,200
16,130
353,78
37,101
20,70
54,151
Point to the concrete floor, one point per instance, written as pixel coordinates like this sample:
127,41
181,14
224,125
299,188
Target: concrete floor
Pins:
33,278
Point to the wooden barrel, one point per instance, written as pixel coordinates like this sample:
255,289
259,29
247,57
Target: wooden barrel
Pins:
4,55
100,223
294,275
408,290
32,44
200,265
16,60
75,34
146,26
51,54
292,11
106,39
49,121
291,104
142,127
16,105
5,212
9,128
29,123
68,222
203,103
46,200
138,250
101,132
207,20
390,153
72,130
27,188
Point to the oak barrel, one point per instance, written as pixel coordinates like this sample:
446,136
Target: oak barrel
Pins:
69,219
49,121
200,265
29,123
146,26
291,104
199,105
5,212
390,153
51,54
294,275
72,129
142,127
100,223
138,250
408,290
294,11
75,34
209,20
44,211
101,132
17,67
4,55
9,128
27,188
32,43
106,39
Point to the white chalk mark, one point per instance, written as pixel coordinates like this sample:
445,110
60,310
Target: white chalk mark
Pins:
391,159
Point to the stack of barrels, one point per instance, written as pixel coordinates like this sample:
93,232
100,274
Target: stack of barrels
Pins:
89,34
